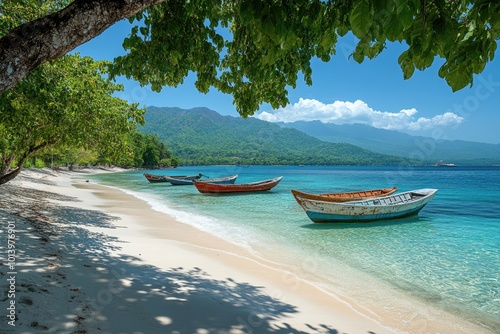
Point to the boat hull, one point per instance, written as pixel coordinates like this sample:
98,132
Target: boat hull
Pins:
155,178
381,208
206,187
320,217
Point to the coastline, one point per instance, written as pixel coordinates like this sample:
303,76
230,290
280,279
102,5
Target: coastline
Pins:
117,265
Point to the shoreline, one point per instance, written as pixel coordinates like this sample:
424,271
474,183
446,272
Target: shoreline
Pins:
150,272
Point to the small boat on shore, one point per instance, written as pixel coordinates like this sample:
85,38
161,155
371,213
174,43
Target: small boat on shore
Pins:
344,196
378,208
206,186
178,179
221,180
155,178
183,180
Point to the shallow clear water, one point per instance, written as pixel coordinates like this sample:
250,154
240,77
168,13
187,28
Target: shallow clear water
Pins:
448,255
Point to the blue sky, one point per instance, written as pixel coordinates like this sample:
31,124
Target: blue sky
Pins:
345,92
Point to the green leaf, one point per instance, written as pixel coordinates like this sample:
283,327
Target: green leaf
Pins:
360,19
405,14
406,63
342,30
393,28
358,55
459,77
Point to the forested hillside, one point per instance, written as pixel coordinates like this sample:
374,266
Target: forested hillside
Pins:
202,136
401,144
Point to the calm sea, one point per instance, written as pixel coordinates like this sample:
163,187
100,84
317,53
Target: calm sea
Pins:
448,255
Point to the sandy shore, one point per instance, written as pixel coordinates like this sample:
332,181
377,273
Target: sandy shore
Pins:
93,259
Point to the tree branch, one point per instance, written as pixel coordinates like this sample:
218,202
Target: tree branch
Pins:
8,174
33,43
4,178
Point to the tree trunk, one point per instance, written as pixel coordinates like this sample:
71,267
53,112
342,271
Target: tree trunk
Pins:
6,163
33,43
10,175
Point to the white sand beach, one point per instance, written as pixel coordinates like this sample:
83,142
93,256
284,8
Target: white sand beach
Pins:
92,259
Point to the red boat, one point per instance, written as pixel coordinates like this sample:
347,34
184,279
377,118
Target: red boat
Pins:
213,188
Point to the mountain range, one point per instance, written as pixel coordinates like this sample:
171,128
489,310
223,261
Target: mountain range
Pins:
202,136
401,144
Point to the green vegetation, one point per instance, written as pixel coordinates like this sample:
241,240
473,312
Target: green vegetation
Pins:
146,152
203,137
150,152
64,112
67,105
253,50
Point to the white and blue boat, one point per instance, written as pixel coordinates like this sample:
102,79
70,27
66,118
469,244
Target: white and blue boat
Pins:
221,180
182,180
379,208
189,180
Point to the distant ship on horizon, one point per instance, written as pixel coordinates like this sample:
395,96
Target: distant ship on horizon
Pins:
441,163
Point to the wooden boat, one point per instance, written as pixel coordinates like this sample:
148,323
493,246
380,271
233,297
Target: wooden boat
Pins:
379,208
182,180
207,187
167,178
155,178
221,180
345,196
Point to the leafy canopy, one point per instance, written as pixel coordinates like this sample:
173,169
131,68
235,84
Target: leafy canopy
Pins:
254,50
65,103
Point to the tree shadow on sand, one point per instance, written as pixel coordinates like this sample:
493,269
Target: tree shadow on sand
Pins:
114,293
183,300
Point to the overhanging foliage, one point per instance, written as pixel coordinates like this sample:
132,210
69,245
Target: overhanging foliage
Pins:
255,50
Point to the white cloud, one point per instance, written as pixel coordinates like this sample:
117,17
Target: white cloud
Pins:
345,112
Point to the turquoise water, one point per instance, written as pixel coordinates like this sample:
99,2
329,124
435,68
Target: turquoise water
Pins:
448,255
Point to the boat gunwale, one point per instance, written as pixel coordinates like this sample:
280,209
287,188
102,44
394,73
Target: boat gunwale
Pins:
339,196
